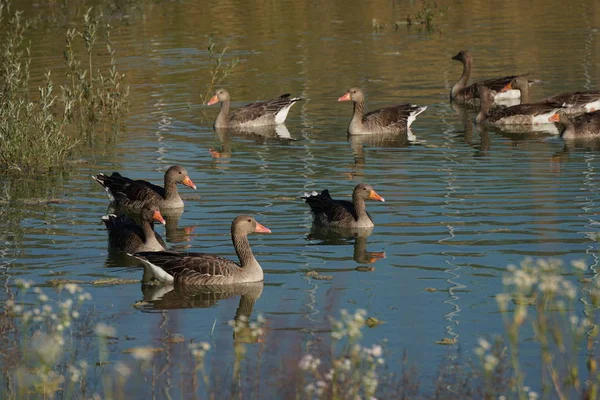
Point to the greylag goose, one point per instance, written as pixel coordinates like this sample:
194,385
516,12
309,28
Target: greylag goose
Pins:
463,94
328,212
207,269
585,126
259,113
522,114
572,103
394,119
132,194
575,103
125,234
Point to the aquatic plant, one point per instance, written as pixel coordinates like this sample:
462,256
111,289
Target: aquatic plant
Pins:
34,349
426,15
219,68
32,137
34,131
91,97
539,297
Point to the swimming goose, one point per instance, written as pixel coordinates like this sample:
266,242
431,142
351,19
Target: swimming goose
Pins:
461,93
328,212
207,269
127,235
133,194
260,113
522,114
394,119
571,103
585,126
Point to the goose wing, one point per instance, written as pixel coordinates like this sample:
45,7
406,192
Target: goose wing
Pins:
260,109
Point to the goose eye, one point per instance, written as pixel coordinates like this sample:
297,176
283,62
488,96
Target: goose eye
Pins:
249,220
179,172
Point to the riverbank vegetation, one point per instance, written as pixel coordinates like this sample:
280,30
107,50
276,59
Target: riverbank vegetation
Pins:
40,127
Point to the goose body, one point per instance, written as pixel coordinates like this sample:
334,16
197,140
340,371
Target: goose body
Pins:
132,194
522,114
466,94
585,126
260,113
575,103
395,119
328,212
207,269
127,235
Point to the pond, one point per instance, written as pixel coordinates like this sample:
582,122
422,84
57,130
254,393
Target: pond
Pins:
460,204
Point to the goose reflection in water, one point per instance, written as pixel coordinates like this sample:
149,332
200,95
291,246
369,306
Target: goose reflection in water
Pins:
343,236
389,140
260,134
171,297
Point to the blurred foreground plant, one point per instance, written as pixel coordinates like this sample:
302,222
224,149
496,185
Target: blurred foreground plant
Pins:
544,299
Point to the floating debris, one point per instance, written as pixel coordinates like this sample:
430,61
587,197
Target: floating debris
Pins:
364,268
105,281
430,289
318,276
446,341
372,322
174,338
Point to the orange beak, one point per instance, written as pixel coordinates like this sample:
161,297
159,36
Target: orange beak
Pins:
188,182
262,229
554,118
374,196
158,217
345,97
213,100
506,88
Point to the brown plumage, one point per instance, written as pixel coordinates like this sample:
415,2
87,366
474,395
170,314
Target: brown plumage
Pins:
207,269
328,212
575,103
394,119
259,113
585,126
522,114
463,94
129,194
126,234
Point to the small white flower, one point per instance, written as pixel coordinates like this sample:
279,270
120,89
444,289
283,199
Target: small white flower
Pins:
123,370
142,353
376,350
484,344
71,288
579,264
105,330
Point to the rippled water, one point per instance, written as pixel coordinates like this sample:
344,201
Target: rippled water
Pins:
460,204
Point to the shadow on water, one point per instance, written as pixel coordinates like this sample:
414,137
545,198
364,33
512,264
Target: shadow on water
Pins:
340,236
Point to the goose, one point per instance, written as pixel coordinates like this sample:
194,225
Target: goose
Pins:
461,93
570,103
207,269
260,113
132,194
522,114
394,119
127,235
328,212
585,126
